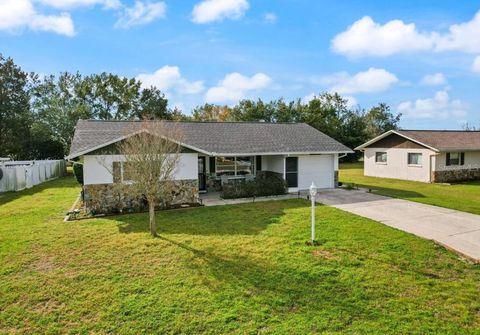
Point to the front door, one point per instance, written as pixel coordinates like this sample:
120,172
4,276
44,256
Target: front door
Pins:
202,175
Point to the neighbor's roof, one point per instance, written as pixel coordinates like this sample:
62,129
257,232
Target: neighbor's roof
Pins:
214,138
437,140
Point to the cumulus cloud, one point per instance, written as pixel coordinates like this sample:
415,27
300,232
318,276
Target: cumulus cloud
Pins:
372,80
236,86
438,107
169,78
141,13
67,4
19,14
217,10
366,37
476,65
434,79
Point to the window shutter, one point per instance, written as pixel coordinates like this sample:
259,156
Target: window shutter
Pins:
117,178
212,164
448,159
259,163
462,158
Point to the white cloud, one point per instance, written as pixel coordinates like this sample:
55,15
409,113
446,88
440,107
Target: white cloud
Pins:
463,37
476,65
365,37
372,80
270,17
434,79
438,107
67,4
235,86
141,13
18,14
169,78
217,10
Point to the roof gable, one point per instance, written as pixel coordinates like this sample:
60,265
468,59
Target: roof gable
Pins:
436,140
214,138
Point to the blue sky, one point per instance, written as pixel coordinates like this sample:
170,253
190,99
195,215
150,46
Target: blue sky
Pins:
421,58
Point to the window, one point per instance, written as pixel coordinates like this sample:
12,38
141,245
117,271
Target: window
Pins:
455,158
414,158
225,166
291,171
381,157
234,166
244,165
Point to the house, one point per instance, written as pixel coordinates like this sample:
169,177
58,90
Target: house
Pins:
234,150
424,155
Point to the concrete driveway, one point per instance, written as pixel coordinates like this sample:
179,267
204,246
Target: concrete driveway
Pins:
453,229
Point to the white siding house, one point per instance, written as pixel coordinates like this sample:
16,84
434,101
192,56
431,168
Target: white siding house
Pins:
426,156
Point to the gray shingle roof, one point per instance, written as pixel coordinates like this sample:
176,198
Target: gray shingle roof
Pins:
215,137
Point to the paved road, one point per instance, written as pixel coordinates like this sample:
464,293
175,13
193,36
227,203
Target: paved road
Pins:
455,230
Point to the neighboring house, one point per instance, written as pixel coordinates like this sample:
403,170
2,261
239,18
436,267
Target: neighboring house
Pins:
212,151
424,155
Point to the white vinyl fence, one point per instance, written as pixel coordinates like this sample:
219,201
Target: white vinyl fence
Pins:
19,175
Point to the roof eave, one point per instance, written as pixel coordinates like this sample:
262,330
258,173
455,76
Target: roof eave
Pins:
378,138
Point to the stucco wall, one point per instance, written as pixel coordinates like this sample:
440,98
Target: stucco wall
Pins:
273,163
397,164
472,161
97,168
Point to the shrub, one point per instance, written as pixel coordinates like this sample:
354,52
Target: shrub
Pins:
266,183
78,172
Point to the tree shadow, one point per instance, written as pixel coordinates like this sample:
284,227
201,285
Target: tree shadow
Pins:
241,219
66,181
288,288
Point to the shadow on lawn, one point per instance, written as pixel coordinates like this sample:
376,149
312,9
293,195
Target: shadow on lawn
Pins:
286,288
393,192
57,183
242,219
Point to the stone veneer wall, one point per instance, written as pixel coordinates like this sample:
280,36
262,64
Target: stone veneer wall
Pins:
449,176
115,198
335,179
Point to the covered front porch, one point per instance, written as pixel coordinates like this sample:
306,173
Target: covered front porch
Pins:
216,171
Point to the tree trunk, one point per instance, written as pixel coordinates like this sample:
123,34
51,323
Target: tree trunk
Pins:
151,213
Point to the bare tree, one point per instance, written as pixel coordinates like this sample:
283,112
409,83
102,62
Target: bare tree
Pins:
151,158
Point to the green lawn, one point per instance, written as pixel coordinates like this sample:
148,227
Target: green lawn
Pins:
462,196
223,270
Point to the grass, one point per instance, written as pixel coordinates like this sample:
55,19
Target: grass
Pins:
223,270
462,196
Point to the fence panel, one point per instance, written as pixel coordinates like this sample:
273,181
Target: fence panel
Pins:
18,175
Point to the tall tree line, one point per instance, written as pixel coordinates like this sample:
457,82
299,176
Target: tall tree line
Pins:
38,115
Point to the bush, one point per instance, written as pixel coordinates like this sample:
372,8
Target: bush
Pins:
78,172
266,183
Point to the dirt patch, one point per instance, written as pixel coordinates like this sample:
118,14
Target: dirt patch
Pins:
325,254
42,265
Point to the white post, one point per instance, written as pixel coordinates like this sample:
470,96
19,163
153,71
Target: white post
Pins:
313,193
313,220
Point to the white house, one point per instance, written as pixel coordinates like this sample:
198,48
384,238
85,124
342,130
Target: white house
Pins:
212,151
423,155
